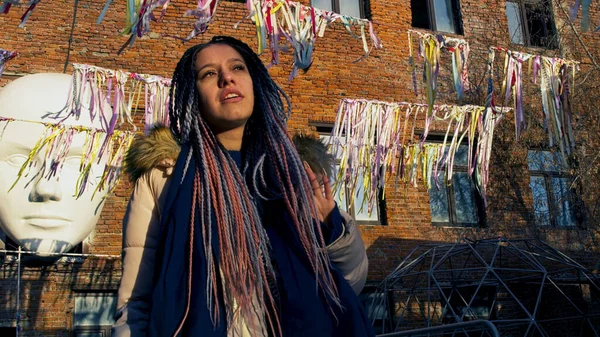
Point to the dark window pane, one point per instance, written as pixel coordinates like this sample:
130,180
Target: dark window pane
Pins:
322,4
539,22
515,23
94,309
444,16
464,195
564,211
540,200
461,155
350,8
420,14
438,201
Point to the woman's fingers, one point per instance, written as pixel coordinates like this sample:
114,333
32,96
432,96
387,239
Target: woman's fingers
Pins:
314,182
327,185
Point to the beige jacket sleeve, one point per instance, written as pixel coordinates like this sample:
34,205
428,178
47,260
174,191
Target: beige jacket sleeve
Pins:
141,226
349,255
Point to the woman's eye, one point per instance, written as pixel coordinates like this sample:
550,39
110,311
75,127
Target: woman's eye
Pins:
16,160
239,67
208,74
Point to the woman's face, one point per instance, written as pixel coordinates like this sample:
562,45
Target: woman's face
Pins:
225,87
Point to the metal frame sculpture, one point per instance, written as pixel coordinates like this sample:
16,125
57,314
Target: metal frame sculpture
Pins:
523,287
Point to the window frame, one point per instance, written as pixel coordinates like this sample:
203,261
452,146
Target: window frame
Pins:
451,199
105,330
550,195
457,15
362,4
325,130
553,44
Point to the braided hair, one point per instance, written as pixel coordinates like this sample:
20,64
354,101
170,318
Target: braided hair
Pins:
219,187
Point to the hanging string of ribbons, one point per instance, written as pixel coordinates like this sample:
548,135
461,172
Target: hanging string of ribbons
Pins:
5,56
300,26
430,48
374,139
297,24
124,91
141,12
553,76
31,4
55,145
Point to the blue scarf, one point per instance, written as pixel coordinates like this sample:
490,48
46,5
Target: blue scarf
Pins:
303,310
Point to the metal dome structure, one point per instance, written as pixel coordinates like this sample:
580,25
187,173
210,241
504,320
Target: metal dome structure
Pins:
524,287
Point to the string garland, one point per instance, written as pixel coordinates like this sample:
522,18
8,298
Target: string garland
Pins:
5,56
57,141
374,139
300,26
124,91
430,48
553,76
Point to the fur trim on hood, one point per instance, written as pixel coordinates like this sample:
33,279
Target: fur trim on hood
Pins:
157,149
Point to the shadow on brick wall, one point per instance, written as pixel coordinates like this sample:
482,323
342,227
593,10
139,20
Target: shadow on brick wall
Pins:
47,292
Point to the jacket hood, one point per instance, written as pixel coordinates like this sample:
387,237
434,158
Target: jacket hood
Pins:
157,149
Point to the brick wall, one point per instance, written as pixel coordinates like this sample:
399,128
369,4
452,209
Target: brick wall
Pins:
385,75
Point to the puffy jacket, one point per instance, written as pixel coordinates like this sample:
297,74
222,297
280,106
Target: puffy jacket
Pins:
149,163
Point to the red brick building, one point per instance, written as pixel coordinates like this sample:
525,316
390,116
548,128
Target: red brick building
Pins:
54,300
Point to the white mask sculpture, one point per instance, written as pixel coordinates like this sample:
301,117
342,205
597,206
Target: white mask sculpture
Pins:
47,205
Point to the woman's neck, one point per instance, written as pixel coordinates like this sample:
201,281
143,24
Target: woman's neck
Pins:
231,139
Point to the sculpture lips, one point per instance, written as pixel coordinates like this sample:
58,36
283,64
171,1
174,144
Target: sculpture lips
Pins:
46,221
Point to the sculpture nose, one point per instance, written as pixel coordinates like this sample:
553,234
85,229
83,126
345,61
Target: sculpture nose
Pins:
46,190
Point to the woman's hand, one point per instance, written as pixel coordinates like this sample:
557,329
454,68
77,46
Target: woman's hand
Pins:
323,195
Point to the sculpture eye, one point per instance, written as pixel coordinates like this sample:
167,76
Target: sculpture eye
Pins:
16,160
73,161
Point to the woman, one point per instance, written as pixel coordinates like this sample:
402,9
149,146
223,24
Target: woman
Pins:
228,240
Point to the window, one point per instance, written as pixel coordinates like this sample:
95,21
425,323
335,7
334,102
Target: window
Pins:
464,305
354,8
458,204
553,200
438,15
93,314
530,23
358,210
376,305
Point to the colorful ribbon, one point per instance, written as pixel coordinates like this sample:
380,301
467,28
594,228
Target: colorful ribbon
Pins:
5,56
377,139
7,4
57,139
585,14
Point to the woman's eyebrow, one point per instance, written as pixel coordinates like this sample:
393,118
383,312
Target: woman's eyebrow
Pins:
231,60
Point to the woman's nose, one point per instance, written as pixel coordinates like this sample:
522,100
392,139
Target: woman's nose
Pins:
46,190
225,78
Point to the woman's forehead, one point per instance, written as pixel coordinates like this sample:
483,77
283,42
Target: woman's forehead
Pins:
217,53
